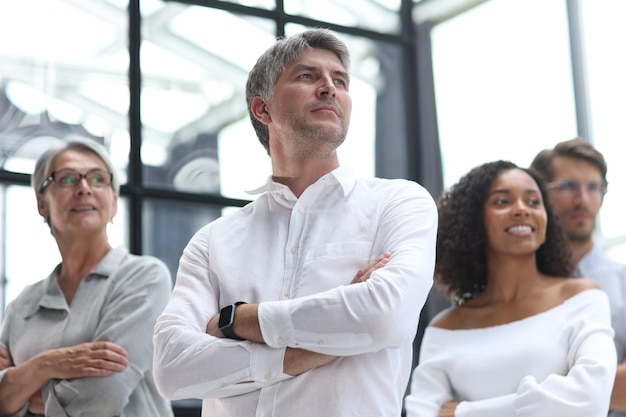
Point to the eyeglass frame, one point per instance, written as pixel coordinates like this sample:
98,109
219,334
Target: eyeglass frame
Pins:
602,186
52,178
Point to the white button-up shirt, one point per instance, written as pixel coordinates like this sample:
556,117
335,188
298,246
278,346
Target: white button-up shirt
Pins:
296,257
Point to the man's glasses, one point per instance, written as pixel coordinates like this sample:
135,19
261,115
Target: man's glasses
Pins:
68,178
572,187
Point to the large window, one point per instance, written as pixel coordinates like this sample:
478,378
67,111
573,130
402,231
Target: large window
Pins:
161,85
503,83
63,72
604,34
504,87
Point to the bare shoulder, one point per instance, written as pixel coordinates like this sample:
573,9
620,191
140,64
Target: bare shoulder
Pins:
573,286
449,318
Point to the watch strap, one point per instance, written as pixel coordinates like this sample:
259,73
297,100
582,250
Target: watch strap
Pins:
227,328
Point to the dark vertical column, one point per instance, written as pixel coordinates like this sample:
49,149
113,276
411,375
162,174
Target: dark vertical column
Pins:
134,119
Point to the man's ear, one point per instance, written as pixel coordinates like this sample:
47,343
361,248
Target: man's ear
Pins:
258,107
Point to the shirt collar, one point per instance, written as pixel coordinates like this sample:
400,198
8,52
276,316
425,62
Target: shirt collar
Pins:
110,262
589,258
52,298
344,176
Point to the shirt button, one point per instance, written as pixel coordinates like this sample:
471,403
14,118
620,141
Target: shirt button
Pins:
280,341
268,376
294,249
286,294
300,209
320,342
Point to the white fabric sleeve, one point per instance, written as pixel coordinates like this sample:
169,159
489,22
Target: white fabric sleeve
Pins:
188,363
430,386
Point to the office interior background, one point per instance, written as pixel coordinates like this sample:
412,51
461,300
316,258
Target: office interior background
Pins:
438,86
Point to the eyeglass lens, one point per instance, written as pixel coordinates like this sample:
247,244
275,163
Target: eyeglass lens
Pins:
573,186
95,177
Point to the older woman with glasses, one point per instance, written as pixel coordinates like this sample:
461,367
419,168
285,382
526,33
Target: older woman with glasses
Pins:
78,343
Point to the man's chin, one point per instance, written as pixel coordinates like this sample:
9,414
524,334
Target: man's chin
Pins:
579,236
331,135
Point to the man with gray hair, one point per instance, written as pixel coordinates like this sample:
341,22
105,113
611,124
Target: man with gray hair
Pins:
575,173
305,302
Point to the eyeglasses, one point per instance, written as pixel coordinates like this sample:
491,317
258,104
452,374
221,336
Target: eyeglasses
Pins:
68,178
571,187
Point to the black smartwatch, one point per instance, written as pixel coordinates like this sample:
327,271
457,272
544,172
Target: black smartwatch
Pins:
227,318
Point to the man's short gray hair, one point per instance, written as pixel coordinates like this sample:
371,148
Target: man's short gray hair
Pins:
262,78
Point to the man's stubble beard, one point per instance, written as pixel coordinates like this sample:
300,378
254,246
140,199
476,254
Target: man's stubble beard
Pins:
316,140
581,235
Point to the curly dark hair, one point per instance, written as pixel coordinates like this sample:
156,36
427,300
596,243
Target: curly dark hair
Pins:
461,265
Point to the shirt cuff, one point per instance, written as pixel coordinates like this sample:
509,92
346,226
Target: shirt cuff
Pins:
266,365
275,323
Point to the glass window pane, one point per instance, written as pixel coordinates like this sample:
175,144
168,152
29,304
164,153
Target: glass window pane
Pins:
604,34
196,125
27,237
169,225
503,83
68,79
377,15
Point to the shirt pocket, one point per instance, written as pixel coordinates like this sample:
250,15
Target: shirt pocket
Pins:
331,265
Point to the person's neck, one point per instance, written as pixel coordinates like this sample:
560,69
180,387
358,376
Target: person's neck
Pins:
511,277
298,176
80,256
579,248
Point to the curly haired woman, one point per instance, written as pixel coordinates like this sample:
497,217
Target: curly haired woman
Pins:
523,339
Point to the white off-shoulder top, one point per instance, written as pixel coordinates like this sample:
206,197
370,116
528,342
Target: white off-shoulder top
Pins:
560,362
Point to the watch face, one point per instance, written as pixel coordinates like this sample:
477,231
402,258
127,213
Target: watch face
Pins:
226,316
